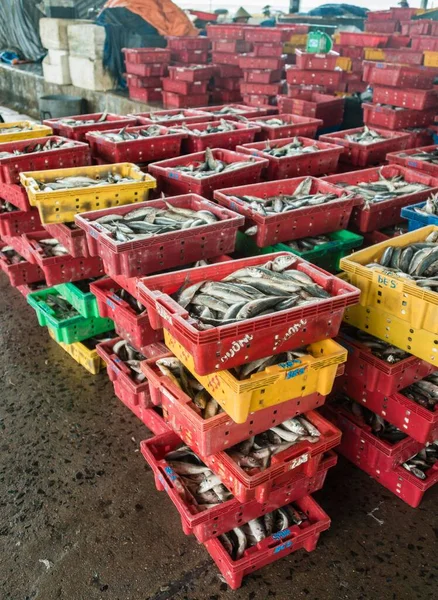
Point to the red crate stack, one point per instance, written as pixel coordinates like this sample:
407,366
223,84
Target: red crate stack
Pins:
328,108
188,50
144,69
186,86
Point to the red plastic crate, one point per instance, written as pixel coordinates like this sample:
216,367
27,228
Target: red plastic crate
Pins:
297,76
208,524
172,100
74,240
175,182
142,150
59,269
397,40
407,161
250,61
187,42
146,70
257,100
230,31
350,51
414,99
400,76
291,225
16,195
22,273
225,58
416,421
376,374
371,154
231,46
389,118
228,70
229,84
133,327
381,26
134,81
324,161
383,214
203,73
319,106
231,345
190,57
77,132
267,89
10,168
296,125
380,15
145,94
260,76
268,50
19,221
421,42
365,40
316,61
375,237
210,436
406,486
244,111
420,27
244,133
419,137
146,55
272,548
226,96
404,56
130,392
184,87
270,35
403,14
163,251
190,116
356,87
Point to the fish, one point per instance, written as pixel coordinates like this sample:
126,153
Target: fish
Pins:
33,148
210,166
366,136
131,358
131,134
430,207
423,461
78,122
273,122
7,207
308,244
379,348
82,181
58,305
248,292
167,117
278,149
16,129
424,392
52,247
427,156
222,126
12,257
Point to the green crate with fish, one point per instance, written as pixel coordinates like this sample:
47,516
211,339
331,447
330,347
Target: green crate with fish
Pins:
400,277
67,325
59,194
84,353
325,250
79,296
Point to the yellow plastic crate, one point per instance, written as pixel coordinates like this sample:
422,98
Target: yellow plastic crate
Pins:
61,206
299,39
37,130
313,373
289,48
89,359
430,58
344,63
374,54
387,292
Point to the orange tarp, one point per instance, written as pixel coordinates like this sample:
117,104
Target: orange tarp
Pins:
164,15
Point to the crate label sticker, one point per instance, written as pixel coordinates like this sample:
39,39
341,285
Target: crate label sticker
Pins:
387,282
163,313
236,347
171,473
282,547
296,462
163,483
111,304
114,368
412,163
173,175
293,329
280,535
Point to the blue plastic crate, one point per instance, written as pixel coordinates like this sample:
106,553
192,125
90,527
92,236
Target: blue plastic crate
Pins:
415,219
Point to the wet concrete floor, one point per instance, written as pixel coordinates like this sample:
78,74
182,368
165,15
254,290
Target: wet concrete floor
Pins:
80,518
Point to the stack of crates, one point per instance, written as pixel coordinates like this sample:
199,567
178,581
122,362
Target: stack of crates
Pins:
315,69
188,50
314,104
187,86
144,68
250,406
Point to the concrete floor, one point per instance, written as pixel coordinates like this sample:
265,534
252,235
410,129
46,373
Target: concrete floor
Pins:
80,518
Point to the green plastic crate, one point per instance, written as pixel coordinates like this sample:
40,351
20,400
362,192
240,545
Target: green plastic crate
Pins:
84,302
326,256
67,331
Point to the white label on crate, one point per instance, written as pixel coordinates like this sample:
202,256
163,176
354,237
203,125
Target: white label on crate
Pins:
163,313
168,395
296,462
236,347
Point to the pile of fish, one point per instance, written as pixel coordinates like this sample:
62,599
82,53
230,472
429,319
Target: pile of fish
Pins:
383,189
430,208
417,262
308,243
249,292
52,247
229,110
126,136
13,257
424,392
366,136
301,197
136,306
92,342
274,122
284,359
49,145
223,127
60,306
429,156
240,538
7,207
164,118
81,181
379,426
390,106
147,222
210,166
387,352
254,454
205,405
76,122
132,359
294,148
419,464
15,129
